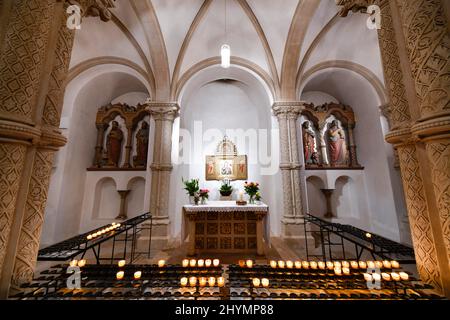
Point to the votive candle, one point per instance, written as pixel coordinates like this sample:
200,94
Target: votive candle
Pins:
313,265
346,271
120,275
202,282
354,264
256,282
193,281
82,263
330,265
121,263
298,264
379,264
337,264
208,263
395,276
321,265
161,263
200,263
368,277
289,264
395,264
249,263
404,276
386,276
185,263
338,271
387,264
370,264
73,263
281,264
241,263
265,282
220,281
216,262
211,281
192,262
305,264
345,264
362,265
273,263
137,275
184,281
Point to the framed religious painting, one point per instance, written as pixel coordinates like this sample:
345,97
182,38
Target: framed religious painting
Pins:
226,163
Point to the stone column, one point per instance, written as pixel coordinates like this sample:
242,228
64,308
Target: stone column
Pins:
414,47
287,114
123,204
35,51
164,115
328,193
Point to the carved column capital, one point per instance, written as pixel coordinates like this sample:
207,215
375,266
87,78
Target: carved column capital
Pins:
353,5
287,109
94,8
167,111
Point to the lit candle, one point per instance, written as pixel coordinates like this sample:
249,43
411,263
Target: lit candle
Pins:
337,264
376,277
368,235
265,282
404,276
200,262
289,264
73,263
370,265
346,271
192,281
387,264
362,265
185,263
211,281
395,276
137,275
298,264
184,281
281,264
338,271
119,275
202,282
256,282
193,263
354,264
305,265
379,264
273,263
241,196
161,263
216,262
386,276
322,265
118,225
82,263
249,263
345,264
121,263
208,263
313,265
220,281
330,265
241,263
89,237
368,277
395,264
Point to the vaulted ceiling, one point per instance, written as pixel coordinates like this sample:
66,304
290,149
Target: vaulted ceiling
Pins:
165,41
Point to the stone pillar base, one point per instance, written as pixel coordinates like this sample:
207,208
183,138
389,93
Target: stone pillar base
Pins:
293,229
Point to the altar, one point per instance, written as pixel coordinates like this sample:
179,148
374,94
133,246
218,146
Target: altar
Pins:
225,227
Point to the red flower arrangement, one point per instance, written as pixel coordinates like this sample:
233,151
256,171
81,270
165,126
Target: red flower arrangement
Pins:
251,188
204,193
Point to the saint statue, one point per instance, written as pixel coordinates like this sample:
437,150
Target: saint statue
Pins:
114,145
140,160
309,144
338,146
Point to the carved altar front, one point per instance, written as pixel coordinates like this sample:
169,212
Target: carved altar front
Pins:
224,227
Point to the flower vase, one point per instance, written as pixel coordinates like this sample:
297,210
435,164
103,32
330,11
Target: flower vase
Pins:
191,200
203,201
251,200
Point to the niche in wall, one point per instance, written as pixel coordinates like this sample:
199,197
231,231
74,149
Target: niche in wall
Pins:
341,199
107,200
316,199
